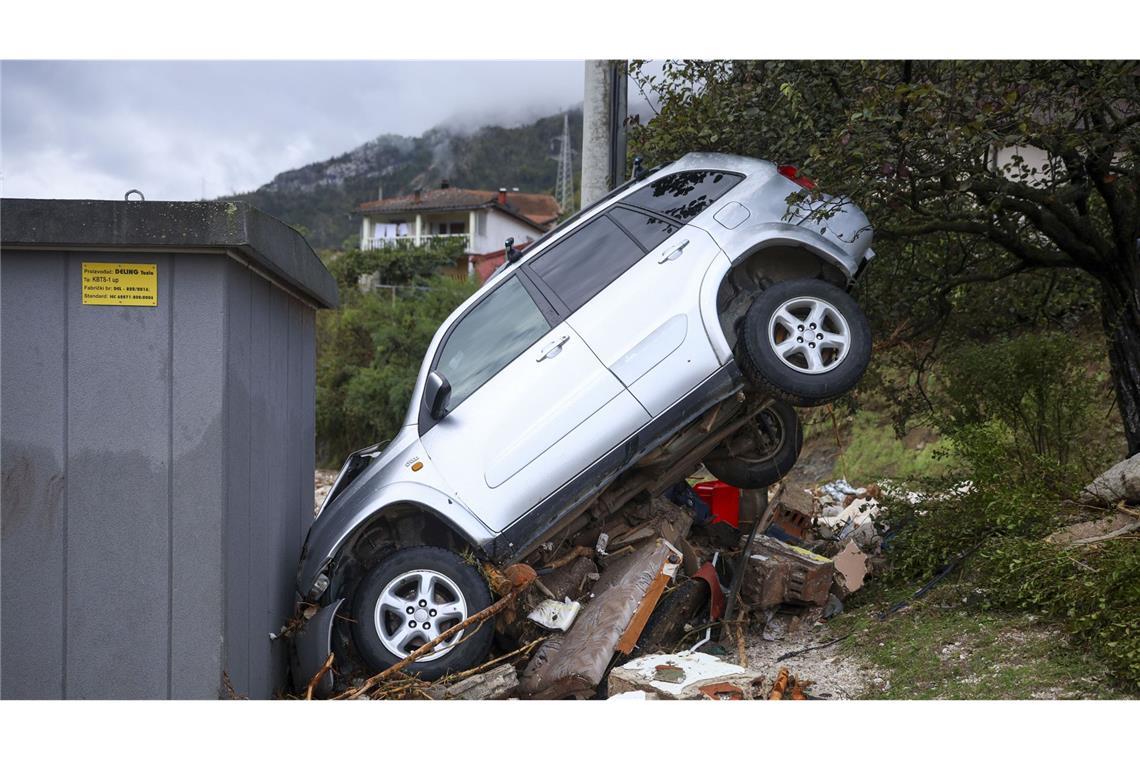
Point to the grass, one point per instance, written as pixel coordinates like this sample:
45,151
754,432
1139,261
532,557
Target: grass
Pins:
871,451
944,647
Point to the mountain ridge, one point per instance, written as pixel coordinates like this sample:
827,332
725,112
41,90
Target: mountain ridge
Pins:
320,198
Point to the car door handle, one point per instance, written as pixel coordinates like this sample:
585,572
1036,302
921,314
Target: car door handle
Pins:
673,253
552,349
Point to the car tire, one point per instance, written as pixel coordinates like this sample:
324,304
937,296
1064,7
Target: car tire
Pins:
761,452
804,341
441,590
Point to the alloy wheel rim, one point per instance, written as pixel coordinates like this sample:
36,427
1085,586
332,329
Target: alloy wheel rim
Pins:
809,335
414,608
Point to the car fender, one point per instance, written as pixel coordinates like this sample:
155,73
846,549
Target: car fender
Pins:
751,241
748,240
329,534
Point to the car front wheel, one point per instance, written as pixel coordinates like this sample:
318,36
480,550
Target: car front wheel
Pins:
412,597
804,341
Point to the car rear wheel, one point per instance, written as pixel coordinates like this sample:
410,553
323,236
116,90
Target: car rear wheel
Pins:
761,452
410,598
804,341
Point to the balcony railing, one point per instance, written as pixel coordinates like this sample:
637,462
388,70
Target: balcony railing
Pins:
409,241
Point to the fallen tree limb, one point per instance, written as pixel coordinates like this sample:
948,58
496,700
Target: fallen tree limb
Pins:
316,679
570,556
1130,527
521,576
525,649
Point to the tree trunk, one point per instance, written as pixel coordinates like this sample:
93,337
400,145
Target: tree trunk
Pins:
1120,315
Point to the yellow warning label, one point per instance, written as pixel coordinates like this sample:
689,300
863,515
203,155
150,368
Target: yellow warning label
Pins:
107,284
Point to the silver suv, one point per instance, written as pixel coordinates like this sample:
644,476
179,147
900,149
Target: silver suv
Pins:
671,324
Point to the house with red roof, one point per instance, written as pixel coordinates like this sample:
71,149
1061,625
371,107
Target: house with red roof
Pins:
483,219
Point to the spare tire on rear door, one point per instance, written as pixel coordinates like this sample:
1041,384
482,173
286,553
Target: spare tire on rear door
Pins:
805,341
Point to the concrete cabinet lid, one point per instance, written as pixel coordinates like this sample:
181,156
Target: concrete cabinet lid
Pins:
266,241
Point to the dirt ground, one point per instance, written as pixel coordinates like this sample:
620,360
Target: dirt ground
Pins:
833,674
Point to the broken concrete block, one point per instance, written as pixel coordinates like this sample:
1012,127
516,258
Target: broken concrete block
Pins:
850,568
678,676
497,683
781,573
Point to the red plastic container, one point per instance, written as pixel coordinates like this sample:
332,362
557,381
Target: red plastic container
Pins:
723,499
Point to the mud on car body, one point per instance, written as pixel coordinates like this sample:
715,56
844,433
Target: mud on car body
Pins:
676,321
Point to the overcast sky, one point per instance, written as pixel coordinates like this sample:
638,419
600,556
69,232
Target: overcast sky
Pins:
183,130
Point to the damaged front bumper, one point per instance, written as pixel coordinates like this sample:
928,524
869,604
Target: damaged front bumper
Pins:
312,643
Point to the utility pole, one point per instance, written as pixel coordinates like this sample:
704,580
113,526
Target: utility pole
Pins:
564,185
604,108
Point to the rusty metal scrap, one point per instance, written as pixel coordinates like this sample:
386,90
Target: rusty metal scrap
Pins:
780,686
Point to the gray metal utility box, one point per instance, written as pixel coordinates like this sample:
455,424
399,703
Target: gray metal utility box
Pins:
157,371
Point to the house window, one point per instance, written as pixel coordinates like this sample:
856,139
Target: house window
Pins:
457,228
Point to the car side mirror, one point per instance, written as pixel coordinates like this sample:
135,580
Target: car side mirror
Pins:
437,391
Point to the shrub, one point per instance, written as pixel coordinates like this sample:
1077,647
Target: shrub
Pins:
369,351
1093,590
1024,418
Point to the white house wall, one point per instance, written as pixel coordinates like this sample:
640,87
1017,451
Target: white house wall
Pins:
499,227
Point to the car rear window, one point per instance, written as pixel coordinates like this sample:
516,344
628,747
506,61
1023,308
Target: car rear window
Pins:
683,195
650,231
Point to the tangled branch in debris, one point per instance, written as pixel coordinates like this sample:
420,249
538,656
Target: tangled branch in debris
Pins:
316,679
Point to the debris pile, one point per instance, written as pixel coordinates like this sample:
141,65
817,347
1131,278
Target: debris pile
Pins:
642,604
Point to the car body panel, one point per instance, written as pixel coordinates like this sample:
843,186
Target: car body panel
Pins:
389,480
628,337
502,464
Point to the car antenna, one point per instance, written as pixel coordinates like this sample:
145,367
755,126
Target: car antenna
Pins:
637,167
509,248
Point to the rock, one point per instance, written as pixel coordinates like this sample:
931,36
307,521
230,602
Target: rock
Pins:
685,674
497,683
1119,482
833,607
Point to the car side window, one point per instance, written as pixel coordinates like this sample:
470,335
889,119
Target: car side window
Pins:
684,195
580,266
489,337
650,231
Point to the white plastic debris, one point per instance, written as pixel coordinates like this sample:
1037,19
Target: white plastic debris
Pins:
695,667
554,615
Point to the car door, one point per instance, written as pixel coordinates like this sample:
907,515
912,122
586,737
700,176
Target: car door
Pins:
645,324
530,408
